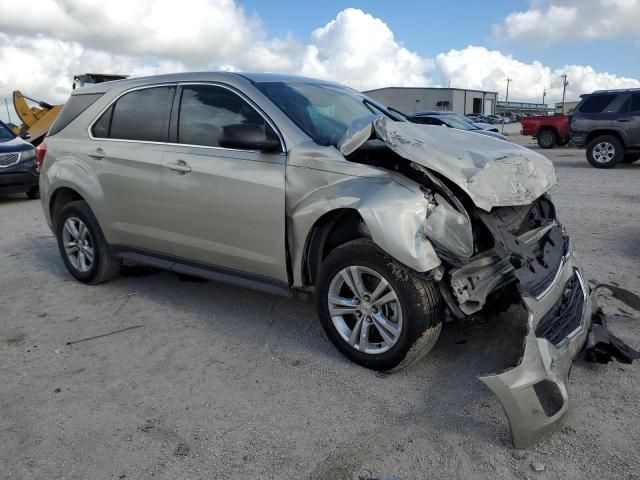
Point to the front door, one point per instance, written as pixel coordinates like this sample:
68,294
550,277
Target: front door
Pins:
225,207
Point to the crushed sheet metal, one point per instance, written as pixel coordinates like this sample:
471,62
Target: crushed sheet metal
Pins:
358,132
448,228
392,207
542,364
492,172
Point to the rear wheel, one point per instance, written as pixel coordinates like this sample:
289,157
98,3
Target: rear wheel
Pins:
605,151
82,245
547,139
377,312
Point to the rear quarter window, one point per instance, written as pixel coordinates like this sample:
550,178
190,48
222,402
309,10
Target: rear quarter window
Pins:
74,107
596,103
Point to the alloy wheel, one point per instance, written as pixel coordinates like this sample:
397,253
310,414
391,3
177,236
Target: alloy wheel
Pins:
365,309
78,244
603,152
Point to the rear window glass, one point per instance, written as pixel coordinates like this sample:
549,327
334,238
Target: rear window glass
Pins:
74,107
635,103
139,115
596,103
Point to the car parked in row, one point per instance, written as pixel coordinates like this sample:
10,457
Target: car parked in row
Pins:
17,164
453,120
548,130
607,123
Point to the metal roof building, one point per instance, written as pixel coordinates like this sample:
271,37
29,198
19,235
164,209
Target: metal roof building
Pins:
417,99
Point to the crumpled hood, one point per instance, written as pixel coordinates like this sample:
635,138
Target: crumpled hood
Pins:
492,172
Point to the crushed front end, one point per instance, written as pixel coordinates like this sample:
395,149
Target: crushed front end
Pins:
491,223
525,248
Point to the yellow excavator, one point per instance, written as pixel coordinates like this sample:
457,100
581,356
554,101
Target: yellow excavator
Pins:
36,120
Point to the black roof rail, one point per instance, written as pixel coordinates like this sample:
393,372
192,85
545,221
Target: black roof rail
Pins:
618,90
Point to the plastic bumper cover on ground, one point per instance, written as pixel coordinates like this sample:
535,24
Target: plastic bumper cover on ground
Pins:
534,394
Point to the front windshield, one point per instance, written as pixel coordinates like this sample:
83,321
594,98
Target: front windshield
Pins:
5,133
454,122
322,111
464,119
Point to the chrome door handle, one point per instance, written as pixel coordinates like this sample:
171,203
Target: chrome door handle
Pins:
180,166
98,153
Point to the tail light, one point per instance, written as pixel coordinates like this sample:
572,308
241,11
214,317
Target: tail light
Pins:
41,151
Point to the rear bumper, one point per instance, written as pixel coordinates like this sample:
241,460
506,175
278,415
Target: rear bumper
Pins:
579,139
534,394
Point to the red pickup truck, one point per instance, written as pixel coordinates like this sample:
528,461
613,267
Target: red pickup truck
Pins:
550,130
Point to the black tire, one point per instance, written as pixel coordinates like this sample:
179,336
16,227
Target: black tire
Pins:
105,265
33,193
418,298
597,144
547,138
631,157
562,142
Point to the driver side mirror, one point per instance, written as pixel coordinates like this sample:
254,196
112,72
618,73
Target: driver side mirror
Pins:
250,136
25,136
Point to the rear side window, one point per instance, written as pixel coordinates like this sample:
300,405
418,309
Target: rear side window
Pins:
206,109
596,103
139,115
74,107
635,104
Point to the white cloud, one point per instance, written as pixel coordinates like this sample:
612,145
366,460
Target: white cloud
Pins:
477,67
360,50
40,53
551,21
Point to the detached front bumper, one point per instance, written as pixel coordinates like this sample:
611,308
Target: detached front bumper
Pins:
534,394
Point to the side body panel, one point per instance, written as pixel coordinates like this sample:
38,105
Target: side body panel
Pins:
228,210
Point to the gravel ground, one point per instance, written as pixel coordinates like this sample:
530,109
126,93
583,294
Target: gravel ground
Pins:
217,382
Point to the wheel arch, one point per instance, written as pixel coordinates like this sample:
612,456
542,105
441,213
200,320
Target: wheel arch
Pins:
331,230
597,133
59,198
550,128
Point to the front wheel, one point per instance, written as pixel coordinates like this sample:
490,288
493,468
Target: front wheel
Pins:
377,312
605,151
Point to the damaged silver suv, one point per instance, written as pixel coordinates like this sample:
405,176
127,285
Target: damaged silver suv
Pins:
289,184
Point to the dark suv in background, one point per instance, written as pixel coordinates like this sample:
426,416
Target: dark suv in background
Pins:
17,164
607,122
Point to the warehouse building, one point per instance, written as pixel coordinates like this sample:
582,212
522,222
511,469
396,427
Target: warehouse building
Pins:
410,99
568,106
503,107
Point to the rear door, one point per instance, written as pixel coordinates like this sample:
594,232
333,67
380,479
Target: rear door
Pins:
126,151
629,121
224,207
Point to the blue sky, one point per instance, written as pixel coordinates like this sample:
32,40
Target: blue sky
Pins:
431,27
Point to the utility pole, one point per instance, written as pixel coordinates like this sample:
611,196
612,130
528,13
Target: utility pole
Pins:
544,94
7,106
564,89
506,103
